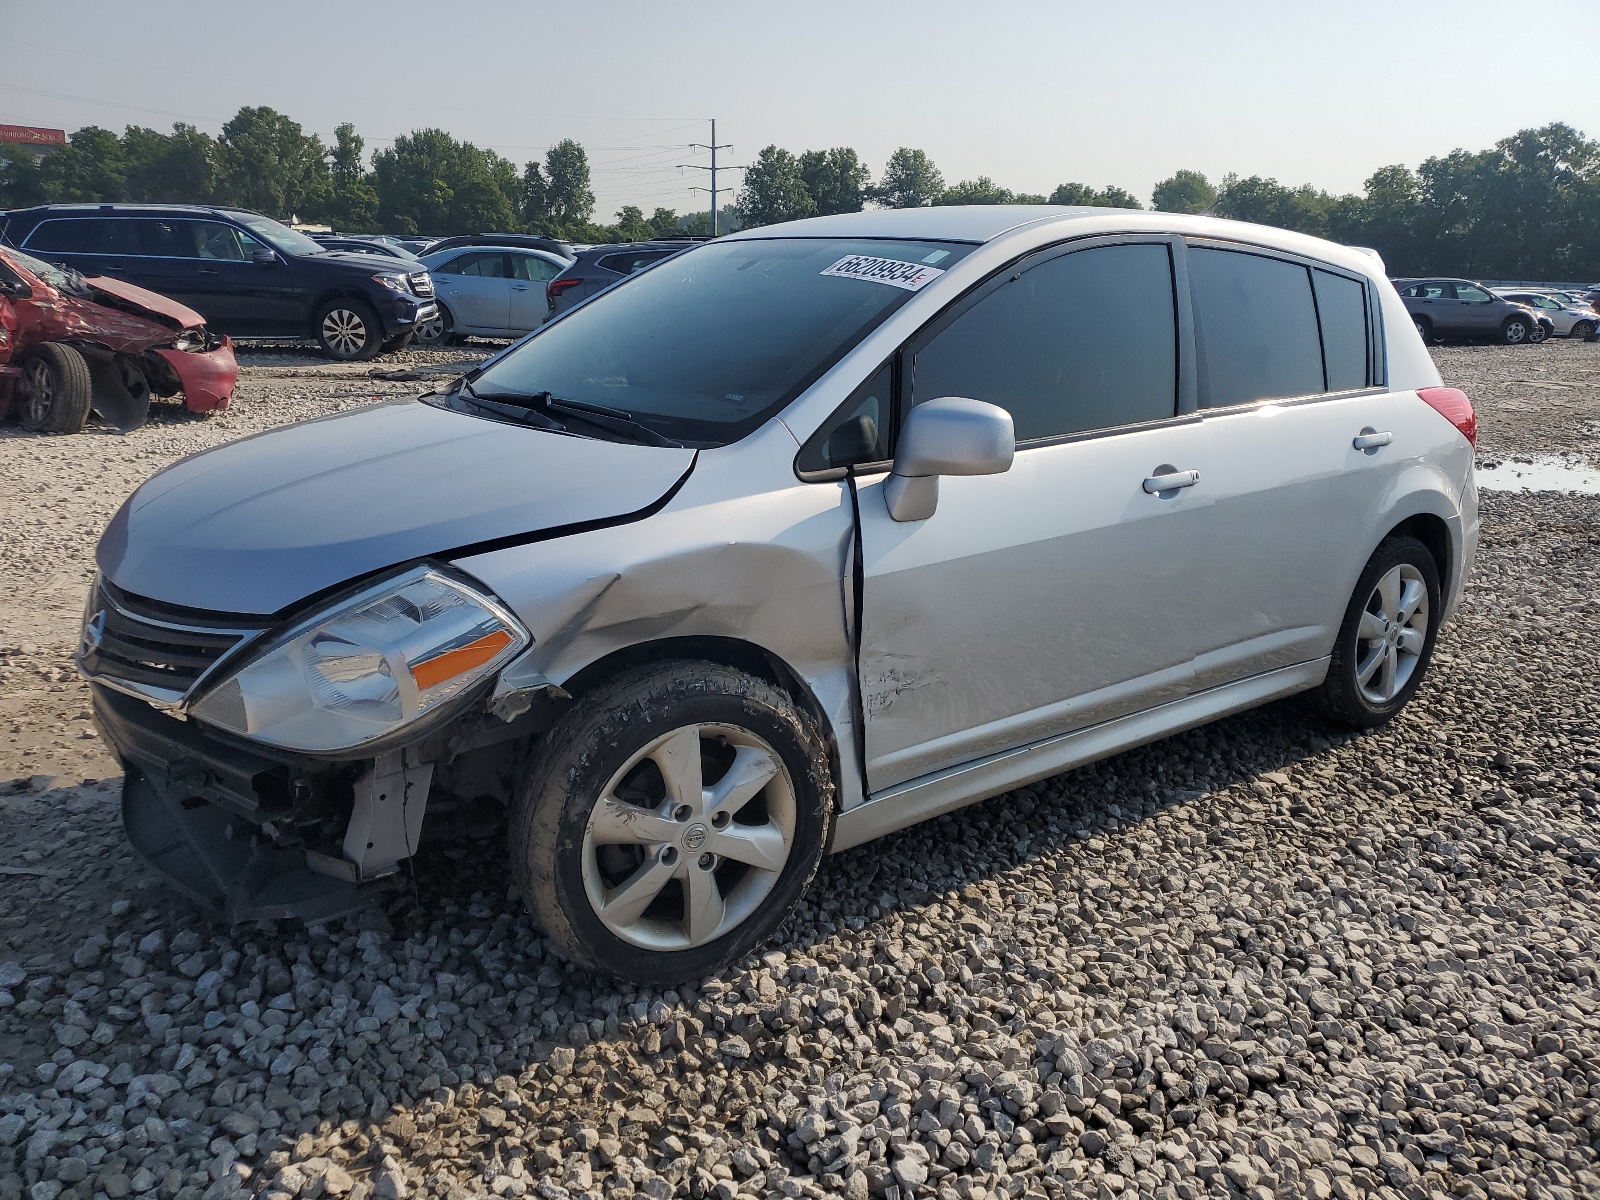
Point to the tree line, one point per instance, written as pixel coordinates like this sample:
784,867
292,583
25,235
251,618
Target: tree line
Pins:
1529,206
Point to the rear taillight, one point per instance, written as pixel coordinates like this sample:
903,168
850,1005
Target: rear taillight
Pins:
1452,404
556,286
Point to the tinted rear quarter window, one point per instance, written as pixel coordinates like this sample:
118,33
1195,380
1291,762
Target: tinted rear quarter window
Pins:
1258,327
1081,342
1342,310
83,236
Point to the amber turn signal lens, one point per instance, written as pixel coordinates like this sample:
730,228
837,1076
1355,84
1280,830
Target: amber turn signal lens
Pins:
460,660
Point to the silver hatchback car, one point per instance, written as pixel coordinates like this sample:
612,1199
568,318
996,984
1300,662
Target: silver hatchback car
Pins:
799,537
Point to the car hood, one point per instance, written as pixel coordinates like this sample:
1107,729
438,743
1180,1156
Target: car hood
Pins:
362,264
259,524
117,293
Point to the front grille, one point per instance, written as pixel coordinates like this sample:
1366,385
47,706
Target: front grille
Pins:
144,644
421,284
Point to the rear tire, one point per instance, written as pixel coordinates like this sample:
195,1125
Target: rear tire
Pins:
1515,332
55,390
1424,329
348,330
1386,640
676,814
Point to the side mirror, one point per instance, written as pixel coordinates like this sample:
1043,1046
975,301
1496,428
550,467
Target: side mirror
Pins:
948,436
263,258
17,291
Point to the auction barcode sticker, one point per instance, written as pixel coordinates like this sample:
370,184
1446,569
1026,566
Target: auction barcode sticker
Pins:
907,275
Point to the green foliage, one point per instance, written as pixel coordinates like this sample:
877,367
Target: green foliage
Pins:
1184,192
910,180
430,183
981,190
266,162
631,226
353,204
836,179
665,223
168,168
774,190
568,198
1083,194
1526,207
92,166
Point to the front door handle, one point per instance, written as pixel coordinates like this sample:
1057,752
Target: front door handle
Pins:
1170,480
518,287
205,271
1370,439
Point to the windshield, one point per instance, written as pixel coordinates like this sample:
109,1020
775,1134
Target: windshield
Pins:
57,277
710,343
279,236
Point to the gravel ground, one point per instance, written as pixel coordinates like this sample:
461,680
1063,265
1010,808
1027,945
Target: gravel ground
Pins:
1259,959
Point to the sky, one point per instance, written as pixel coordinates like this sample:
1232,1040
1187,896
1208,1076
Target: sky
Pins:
1031,94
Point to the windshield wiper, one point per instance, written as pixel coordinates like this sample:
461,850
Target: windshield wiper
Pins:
520,413
612,420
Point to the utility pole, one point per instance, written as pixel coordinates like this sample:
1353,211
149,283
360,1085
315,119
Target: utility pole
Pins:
713,147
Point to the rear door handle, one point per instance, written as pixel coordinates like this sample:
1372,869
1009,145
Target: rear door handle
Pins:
205,271
1371,439
1170,481
519,287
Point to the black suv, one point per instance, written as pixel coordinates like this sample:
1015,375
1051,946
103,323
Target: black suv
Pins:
246,274
596,268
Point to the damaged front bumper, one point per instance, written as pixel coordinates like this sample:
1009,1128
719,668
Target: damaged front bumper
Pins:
206,378
215,819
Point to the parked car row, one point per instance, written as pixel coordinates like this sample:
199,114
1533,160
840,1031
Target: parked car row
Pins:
70,345
495,285
245,274
1462,308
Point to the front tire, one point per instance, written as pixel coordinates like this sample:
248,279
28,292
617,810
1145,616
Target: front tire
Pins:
1539,334
437,330
677,814
1386,640
1515,332
1581,330
1424,328
56,389
348,330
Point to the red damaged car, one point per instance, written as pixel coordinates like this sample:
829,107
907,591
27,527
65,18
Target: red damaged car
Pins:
70,344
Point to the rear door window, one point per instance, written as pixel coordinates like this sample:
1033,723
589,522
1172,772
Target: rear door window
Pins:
532,268
1476,295
1080,342
1342,313
84,236
1258,327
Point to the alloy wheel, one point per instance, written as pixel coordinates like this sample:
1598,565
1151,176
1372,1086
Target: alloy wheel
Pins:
344,331
1392,634
432,329
688,837
39,385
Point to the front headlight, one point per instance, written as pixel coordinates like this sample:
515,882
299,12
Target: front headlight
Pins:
395,283
377,662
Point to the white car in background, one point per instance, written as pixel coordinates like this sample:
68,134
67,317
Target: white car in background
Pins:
488,291
1570,318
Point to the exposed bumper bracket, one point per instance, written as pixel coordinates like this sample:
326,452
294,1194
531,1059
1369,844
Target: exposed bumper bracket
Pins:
386,822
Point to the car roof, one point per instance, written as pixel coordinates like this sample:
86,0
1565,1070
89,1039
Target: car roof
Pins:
535,250
91,209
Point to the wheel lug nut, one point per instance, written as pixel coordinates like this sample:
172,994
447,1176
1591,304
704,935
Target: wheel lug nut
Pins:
682,813
720,821
669,855
707,861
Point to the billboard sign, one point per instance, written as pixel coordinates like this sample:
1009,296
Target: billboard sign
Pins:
32,135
